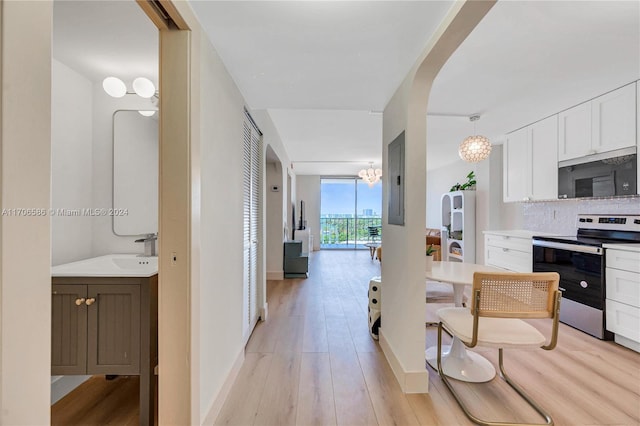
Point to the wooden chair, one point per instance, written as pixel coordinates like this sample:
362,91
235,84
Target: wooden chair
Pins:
499,303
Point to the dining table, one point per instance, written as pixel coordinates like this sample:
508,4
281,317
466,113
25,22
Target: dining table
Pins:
458,362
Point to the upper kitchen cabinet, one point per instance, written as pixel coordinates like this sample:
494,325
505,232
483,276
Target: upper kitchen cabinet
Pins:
603,124
530,162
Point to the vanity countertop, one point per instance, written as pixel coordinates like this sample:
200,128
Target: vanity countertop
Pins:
110,265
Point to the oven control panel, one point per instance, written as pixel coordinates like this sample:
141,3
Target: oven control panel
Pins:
615,222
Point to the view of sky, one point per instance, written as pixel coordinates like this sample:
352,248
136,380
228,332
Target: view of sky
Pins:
338,197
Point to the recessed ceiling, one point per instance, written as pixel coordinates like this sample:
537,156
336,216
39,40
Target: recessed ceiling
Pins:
524,61
322,67
346,55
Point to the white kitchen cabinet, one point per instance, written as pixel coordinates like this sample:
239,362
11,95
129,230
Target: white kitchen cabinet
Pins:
623,295
509,250
574,132
515,163
459,217
530,162
638,130
603,124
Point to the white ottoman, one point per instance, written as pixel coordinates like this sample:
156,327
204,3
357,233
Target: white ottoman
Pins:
374,306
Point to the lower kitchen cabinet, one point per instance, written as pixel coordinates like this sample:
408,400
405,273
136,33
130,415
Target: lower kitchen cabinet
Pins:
623,296
107,326
509,250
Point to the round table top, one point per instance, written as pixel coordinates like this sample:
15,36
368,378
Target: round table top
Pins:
457,272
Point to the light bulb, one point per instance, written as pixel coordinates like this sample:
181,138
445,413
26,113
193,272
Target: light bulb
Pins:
144,87
114,87
147,113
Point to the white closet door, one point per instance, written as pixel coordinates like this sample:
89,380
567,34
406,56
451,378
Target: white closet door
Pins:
252,184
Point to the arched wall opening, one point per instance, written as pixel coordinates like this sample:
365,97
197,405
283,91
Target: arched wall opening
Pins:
402,335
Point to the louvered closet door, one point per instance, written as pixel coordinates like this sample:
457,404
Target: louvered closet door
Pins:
252,148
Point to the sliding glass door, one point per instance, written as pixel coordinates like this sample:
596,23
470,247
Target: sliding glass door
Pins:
350,213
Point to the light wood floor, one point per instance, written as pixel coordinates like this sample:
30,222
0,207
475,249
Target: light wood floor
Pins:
313,363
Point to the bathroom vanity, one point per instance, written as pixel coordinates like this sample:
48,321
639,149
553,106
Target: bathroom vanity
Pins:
104,320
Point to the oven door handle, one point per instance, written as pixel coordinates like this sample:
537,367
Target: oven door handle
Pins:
569,247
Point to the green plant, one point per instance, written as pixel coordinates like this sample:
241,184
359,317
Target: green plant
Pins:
430,250
470,183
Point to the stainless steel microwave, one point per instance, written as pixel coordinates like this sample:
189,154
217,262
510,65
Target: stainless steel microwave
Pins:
601,175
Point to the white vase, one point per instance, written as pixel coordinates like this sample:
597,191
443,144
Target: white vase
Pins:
428,263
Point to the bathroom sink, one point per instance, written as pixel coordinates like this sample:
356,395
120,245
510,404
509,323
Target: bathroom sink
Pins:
136,263
111,265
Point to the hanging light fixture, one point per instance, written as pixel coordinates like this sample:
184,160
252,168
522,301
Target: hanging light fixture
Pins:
371,176
474,148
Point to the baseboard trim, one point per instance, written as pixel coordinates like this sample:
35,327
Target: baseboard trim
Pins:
410,381
218,402
62,385
275,275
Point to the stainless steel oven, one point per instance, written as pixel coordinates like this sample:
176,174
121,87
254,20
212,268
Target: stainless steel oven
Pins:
580,260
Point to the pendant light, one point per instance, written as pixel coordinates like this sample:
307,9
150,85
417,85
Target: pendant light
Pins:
474,148
371,176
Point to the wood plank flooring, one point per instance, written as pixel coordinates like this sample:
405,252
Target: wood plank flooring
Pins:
313,363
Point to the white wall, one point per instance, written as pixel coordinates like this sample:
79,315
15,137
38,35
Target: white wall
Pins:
275,225
440,181
274,219
308,190
221,267
402,335
25,241
71,164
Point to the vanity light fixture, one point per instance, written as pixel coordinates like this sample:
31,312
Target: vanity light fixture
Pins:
474,148
142,87
370,175
114,87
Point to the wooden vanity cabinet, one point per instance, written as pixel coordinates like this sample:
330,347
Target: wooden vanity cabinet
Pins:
106,325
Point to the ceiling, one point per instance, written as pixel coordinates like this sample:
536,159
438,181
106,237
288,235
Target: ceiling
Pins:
325,70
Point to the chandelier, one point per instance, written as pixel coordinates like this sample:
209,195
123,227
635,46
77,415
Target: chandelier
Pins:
474,148
370,175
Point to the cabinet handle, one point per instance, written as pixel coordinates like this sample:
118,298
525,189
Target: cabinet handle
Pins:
79,301
90,301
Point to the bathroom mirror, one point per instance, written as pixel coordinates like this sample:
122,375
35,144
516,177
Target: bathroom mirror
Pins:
135,173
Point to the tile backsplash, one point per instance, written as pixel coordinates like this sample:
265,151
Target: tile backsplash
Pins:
559,217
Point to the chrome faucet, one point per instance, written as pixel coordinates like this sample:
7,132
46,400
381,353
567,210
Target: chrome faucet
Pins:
149,244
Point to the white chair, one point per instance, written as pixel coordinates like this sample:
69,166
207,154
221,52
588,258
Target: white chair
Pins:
438,292
499,302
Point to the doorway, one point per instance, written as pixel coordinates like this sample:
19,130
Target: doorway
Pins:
350,213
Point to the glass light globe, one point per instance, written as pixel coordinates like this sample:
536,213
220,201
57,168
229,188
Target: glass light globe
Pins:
144,87
148,113
114,87
474,149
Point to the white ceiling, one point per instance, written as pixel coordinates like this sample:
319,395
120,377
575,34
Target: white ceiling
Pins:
323,69
98,38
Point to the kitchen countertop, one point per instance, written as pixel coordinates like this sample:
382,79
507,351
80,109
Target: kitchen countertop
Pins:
626,247
516,233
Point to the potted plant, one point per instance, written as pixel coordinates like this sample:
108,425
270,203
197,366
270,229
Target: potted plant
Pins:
429,258
469,184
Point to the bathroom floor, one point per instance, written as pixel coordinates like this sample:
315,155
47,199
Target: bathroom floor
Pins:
99,402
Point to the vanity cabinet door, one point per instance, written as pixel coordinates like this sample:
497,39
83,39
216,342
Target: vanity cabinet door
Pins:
113,329
68,329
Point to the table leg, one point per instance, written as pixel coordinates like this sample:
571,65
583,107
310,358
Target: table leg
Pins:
457,362
461,364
